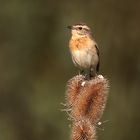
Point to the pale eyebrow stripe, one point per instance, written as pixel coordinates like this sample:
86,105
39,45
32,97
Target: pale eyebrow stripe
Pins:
85,27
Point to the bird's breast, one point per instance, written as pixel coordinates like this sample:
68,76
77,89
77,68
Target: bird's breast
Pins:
79,43
83,52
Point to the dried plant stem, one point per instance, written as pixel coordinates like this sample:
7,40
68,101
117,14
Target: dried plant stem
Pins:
86,100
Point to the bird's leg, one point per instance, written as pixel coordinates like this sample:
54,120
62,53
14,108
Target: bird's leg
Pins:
87,74
81,72
92,72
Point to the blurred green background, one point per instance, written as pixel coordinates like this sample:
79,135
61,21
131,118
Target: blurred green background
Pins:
35,65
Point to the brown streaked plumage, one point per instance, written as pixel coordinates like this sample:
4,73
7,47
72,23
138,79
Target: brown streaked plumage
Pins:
84,50
79,43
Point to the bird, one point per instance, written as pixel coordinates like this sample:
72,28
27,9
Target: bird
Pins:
84,50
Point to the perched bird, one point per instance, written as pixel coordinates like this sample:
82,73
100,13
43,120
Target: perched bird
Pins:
84,50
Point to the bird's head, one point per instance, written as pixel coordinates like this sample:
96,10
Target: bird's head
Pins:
80,30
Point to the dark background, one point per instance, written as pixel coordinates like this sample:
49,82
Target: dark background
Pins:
35,65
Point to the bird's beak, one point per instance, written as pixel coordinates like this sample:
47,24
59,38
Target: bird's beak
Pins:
69,27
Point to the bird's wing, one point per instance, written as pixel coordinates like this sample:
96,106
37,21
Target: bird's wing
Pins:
98,65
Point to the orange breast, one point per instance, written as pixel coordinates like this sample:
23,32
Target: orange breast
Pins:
79,43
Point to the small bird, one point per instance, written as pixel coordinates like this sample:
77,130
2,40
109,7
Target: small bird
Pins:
84,50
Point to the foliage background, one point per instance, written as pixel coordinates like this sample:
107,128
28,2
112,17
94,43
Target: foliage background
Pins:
35,65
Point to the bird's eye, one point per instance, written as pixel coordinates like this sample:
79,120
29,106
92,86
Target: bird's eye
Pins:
80,28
